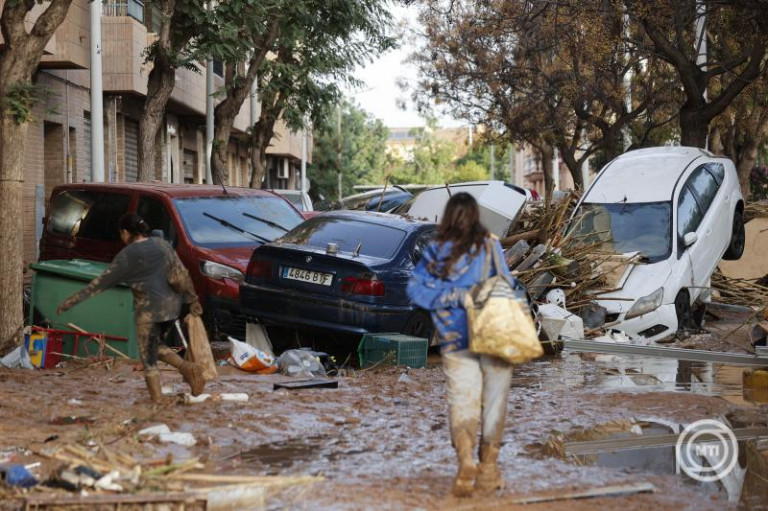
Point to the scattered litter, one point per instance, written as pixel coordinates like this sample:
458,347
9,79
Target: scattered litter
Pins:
404,378
17,475
301,363
556,321
181,438
318,383
251,359
256,336
614,337
66,420
74,401
636,430
18,358
155,430
51,439
236,396
190,399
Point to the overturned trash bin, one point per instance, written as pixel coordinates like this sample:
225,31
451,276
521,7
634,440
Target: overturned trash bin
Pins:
110,313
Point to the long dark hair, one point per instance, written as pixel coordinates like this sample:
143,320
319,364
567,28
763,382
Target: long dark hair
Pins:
134,224
461,226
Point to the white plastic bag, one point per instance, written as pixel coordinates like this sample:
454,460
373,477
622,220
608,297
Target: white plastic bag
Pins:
250,359
17,358
301,363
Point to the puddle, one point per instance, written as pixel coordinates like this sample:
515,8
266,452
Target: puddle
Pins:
641,374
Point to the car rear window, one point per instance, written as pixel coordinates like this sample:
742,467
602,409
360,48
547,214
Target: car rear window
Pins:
375,240
87,214
236,220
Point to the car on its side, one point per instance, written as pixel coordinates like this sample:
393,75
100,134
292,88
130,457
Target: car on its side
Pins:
681,209
213,230
343,272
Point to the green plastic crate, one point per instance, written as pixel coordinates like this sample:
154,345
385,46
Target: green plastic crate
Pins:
397,349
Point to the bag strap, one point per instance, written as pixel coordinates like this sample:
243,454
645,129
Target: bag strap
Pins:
486,274
490,247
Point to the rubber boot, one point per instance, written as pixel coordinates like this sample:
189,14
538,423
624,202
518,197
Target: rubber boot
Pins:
465,478
191,372
152,378
489,478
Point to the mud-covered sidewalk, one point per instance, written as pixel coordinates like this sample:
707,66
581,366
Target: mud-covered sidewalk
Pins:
381,439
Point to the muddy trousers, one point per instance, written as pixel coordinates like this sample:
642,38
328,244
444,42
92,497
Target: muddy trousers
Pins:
153,341
477,393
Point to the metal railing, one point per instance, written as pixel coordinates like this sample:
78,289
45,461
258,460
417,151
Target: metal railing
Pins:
132,8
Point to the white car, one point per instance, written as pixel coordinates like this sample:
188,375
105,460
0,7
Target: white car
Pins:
299,199
500,203
681,209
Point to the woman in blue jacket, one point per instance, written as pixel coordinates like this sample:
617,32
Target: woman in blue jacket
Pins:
477,384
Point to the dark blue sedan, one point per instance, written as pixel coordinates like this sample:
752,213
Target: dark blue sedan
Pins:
343,271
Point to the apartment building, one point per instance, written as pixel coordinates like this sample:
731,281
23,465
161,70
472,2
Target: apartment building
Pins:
528,171
58,144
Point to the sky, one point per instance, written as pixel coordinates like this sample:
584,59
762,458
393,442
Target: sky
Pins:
381,94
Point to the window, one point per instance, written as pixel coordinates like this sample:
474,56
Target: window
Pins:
688,213
422,242
705,186
718,172
92,215
375,240
233,220
156,215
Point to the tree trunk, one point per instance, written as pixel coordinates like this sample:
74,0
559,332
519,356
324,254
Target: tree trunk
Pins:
258,165
745,165
574,167
12,138
160,85
693,129
546,153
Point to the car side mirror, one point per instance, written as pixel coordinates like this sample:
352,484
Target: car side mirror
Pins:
690,238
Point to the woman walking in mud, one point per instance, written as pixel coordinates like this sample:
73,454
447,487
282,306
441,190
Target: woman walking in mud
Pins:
477,384
159,282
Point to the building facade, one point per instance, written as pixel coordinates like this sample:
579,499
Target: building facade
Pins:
58,144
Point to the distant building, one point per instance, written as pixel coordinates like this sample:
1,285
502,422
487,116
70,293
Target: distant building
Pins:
402,141
57,148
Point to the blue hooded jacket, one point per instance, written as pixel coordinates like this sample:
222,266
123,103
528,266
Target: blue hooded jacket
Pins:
444,297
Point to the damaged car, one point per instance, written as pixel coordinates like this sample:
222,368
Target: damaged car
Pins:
664,217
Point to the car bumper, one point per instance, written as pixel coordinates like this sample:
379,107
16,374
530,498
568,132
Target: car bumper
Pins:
653,326
225,317
291,308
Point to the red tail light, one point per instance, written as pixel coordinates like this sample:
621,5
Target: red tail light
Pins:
362,286
259,268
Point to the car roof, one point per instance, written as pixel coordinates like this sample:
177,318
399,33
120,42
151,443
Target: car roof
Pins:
643,175
391,190
169,189
397,221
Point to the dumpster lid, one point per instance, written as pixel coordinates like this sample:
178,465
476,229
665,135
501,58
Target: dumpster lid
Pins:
75,268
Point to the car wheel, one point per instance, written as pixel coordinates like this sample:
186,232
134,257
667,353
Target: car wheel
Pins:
419,325
738,238
683,311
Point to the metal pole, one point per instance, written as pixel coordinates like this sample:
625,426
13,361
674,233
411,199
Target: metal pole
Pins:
555,170
701,47
338,148
97,97
208,120
493,162
303,186
470,137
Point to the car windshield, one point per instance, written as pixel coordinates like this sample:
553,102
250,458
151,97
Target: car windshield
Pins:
625,227
374,240
235,220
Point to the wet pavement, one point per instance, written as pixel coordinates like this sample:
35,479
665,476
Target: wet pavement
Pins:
383,443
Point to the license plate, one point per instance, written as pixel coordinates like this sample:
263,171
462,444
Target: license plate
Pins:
313,277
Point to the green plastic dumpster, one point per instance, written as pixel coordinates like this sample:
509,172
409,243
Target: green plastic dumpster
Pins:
109,313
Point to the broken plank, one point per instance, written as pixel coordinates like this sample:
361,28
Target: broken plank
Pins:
315,383
513,256
532,258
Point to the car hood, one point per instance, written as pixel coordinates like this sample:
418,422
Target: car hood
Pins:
237,257
643,279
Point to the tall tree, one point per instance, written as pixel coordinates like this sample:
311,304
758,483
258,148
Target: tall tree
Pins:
314,47
735,56
20,54
181,21
363,154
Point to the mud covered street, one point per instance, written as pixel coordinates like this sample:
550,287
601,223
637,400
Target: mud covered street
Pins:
381,439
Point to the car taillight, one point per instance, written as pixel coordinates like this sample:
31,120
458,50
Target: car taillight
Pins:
362,286
259,268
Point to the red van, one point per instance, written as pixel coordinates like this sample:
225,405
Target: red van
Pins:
213,230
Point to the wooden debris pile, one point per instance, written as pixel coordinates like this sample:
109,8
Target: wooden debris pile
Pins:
748,293
543,256
98,475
